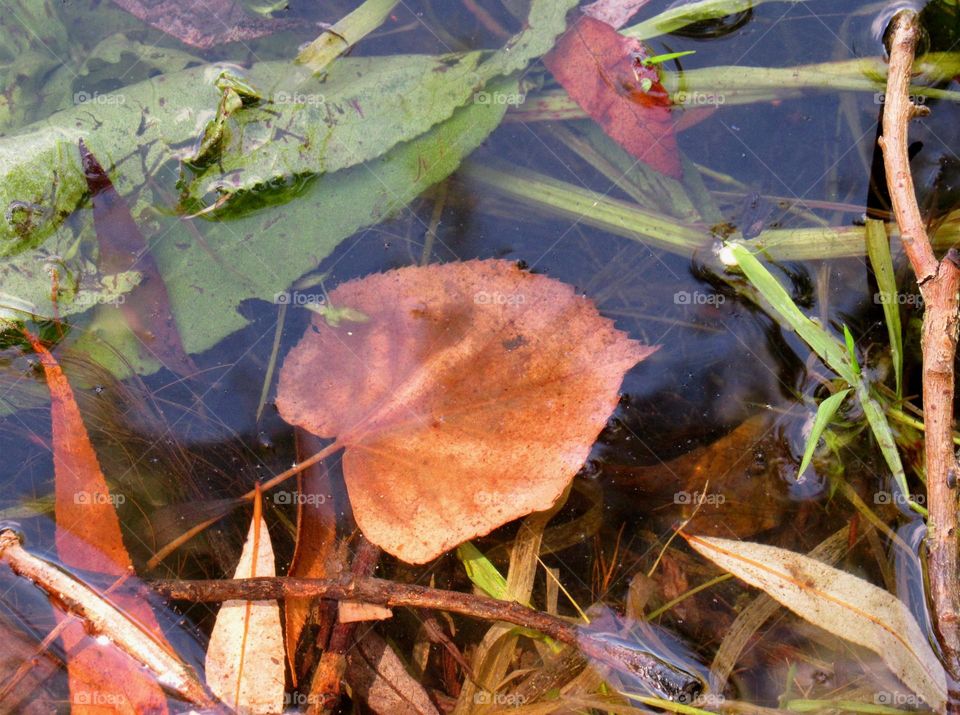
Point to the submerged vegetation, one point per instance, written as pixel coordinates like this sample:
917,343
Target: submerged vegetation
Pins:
474,356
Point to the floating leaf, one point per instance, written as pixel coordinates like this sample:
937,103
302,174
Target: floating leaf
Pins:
470,397
840,603
88,537
599,69
245,659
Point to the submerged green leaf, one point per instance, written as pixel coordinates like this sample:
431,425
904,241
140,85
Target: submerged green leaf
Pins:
830,350
481,571
825,412
878,249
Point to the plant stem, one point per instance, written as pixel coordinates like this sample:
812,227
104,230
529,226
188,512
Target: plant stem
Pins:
939,282
611,651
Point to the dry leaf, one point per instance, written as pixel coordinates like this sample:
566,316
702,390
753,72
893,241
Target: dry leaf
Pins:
601,72
203,24
316,540
101,677
844,605
358,611
245,657
379,677
466,395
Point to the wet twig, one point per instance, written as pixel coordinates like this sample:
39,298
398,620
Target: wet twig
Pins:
661,677
939,282
103,618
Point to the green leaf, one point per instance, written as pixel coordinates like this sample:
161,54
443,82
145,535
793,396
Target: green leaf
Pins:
830,350
481,571
884,436
851,348
683,14
878,249
825,412
261,254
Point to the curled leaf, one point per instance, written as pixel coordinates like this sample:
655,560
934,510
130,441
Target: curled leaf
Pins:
470,397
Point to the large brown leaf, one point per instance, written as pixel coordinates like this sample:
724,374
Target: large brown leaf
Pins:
466,395
600,70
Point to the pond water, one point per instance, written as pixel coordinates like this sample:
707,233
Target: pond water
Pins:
721,411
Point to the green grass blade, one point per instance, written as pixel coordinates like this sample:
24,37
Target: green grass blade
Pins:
481,571
884,436
830,350
878,249
825,412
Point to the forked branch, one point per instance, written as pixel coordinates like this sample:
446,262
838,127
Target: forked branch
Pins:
939,282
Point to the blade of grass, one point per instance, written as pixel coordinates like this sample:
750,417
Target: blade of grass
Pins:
825,412
689,13
481,572
878,249
830,350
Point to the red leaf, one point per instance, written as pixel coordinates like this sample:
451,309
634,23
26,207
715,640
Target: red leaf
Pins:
598,68
102,678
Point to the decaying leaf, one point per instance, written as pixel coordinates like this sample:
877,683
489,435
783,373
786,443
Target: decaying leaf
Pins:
88,537
379,677
146,307
316,540
245,657
602,71
469,398
203,24
840,603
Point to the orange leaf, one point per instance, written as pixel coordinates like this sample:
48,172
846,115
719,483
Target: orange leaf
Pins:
102,678
467,395
599,69
316,539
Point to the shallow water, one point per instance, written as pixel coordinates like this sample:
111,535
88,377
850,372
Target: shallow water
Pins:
727,397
